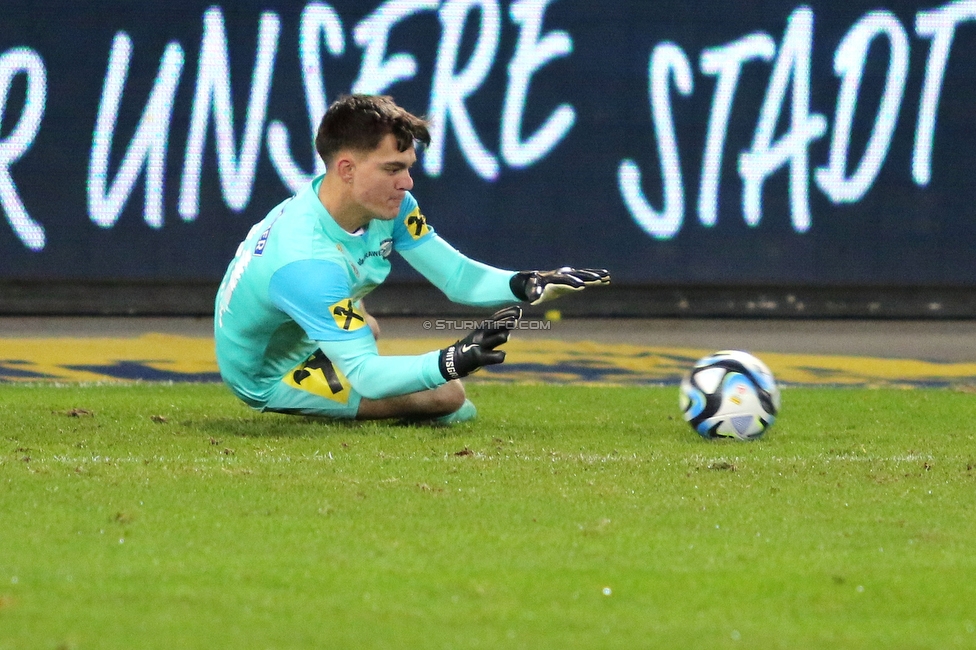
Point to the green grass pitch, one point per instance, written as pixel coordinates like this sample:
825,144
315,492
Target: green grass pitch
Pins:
170,516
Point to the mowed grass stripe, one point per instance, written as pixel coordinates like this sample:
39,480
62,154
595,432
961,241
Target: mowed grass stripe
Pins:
162,516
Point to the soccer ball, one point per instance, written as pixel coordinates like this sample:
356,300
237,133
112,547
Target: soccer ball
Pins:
730,394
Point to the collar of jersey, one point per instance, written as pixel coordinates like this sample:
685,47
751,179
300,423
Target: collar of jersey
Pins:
334,229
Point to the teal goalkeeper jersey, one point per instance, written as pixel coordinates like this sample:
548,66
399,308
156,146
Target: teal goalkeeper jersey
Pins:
295,284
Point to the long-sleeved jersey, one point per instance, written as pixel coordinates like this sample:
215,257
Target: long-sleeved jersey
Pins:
295,284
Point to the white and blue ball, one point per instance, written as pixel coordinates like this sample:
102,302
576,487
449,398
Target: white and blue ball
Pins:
730,394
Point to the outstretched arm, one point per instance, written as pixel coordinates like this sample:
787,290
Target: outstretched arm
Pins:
462,279
466,281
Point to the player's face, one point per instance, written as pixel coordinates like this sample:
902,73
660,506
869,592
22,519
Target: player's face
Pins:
382,178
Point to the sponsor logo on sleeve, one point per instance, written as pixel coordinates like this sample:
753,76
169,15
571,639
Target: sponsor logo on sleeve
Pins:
347,316
416,224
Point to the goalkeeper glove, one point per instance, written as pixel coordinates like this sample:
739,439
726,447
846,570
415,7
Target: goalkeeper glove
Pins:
477,349
540,286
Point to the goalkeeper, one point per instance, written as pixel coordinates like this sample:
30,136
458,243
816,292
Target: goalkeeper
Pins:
291,332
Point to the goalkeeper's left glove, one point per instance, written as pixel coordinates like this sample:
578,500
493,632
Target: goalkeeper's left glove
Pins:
478,349
540,286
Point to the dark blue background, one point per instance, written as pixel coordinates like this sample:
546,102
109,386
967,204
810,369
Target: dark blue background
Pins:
565,209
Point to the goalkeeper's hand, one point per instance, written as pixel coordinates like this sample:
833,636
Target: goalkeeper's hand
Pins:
540,286
477,349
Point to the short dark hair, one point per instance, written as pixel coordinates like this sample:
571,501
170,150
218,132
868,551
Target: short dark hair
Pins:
360,122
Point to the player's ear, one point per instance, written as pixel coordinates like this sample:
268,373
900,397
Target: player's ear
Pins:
345,167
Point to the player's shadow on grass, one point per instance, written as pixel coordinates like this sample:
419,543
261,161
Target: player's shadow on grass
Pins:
273,425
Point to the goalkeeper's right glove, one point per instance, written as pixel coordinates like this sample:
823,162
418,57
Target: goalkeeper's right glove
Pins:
477,349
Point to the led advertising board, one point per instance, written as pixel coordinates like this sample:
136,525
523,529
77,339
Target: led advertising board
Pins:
714,143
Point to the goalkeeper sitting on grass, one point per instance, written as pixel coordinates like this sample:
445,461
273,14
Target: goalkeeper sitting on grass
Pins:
291,332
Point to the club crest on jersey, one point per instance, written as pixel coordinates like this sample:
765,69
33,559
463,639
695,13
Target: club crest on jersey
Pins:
346,316
416,224
386,247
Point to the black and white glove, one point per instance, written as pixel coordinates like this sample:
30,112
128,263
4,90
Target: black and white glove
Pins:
477,349
540,286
